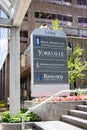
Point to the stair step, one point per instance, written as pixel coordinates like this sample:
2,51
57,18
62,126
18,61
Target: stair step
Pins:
75,121
56,125
82,107
78,113
85,103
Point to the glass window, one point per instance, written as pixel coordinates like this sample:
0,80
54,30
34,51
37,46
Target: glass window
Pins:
67,18
82,20
70,19
53,16
24,36
70,1
81,2
48,16
23,33
41,15
64,18
60,17
85,20
36,14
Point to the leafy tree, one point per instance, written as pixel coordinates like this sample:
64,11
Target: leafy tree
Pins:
75,65
56,25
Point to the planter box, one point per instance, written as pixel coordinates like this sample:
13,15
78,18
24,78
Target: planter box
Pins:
2,109
14,126
53,110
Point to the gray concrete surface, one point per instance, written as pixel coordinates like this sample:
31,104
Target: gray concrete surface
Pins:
52,111
56,125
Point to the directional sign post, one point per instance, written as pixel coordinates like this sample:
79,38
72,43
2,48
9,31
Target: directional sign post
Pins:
49,71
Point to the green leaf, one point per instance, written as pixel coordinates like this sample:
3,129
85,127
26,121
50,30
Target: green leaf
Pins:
76,65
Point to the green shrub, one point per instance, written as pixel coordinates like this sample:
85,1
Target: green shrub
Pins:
34,117
15,119
76,65
18,118
5,116
23,110
27,119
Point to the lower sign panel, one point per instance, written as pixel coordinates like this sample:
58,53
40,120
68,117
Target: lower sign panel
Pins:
48,90
50,77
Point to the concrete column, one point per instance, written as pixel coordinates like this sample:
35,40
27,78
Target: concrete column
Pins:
15,71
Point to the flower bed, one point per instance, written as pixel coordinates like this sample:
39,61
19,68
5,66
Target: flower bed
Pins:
57,99
3,105
58,106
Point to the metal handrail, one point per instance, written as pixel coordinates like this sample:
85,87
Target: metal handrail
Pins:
48,99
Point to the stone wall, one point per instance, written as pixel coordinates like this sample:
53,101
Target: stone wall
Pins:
53,110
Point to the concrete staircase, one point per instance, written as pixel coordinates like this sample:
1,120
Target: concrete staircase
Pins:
75,120
54,125
77,117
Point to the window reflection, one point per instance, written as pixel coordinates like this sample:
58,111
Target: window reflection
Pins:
60,17
82,22
81,2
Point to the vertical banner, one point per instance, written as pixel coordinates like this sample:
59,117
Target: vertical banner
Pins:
3,42
49,70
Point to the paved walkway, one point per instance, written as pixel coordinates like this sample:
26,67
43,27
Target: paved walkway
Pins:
57,125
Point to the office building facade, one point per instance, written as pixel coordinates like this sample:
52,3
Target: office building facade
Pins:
72,15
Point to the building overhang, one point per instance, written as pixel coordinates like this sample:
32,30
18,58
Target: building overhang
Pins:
15,11
20,8
5,22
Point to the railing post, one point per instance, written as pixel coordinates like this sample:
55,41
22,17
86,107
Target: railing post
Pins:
23,125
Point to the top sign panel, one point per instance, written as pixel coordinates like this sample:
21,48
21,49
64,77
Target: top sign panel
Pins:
47,41
45,32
